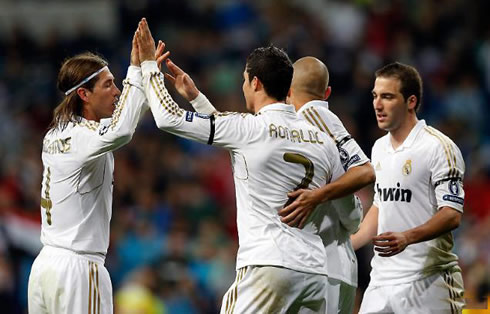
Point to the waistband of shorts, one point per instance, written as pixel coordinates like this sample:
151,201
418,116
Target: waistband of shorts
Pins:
92,257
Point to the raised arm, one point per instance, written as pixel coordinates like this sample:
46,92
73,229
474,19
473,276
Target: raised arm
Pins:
185,86
118,130
229,130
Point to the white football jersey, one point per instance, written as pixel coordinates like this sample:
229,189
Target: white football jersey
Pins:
317,113
412,182
272,152
76,194
342,217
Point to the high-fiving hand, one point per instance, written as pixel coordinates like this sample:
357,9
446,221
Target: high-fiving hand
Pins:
144,48
159,56
182,81
146,44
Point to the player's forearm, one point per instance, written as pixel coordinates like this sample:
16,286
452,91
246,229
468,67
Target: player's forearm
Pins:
445,220
166,112
168,115
120,129
354,179
367,230
201,104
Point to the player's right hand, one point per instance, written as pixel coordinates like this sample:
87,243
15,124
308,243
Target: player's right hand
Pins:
146,44
297,212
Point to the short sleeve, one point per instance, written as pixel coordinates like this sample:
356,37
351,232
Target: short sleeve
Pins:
447,170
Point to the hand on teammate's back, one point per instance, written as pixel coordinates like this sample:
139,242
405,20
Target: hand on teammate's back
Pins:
297,212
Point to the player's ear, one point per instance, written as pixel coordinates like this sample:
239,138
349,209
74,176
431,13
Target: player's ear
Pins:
82,93
412,102
256,84
328,91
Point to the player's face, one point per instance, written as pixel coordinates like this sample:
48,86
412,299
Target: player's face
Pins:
248,92
104,96
389,104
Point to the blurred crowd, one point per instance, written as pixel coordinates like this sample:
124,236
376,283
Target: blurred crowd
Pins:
173,236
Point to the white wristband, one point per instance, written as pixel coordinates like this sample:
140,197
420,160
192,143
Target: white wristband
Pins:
202,105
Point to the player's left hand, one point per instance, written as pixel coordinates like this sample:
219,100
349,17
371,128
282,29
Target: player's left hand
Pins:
181,81
135,58
390,243
296,213
159,55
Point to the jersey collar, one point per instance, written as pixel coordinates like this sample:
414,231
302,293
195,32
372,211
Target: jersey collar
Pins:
410,138
314,103
277,107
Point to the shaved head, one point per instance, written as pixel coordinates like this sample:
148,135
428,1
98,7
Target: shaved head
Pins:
310,77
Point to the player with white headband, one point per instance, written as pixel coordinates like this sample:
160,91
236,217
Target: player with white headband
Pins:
94,119
85,80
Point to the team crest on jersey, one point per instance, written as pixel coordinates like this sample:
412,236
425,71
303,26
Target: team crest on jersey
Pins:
453,187
407,167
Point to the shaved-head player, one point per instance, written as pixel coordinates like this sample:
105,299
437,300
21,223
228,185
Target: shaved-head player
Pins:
309,91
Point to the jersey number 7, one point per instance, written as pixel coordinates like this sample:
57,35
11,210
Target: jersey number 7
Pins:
309,171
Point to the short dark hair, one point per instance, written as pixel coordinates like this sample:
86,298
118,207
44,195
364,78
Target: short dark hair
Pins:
273,68
410,80
72,72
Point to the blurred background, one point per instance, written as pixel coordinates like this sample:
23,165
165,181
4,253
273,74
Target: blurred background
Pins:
173,236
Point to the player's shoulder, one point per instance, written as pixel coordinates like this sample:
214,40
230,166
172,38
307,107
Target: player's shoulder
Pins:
381,143
315,107
228,114
434,139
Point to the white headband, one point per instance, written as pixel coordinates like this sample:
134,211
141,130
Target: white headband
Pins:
88,78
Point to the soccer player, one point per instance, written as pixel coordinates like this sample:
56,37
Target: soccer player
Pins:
418,201
94,118
309,91
279,268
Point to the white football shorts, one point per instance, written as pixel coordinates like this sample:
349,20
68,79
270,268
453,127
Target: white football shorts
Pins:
440,293
270,289
66,282
341,297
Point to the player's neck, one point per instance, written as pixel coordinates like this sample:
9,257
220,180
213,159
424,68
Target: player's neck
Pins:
300,101
265,100
400,134
88,114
